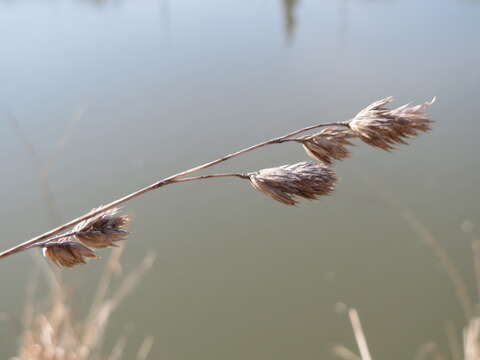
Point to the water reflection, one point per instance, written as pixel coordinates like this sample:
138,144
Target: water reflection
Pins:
102,3
91,2
343,20
289,9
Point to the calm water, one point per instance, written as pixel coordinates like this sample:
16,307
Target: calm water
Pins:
116,94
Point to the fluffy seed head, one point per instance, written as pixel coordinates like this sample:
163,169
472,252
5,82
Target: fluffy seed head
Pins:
102,230
329,144
67,253
384,128
284,183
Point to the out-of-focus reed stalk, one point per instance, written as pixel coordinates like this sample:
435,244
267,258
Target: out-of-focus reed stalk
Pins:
375,125
361,340
56,334
465,345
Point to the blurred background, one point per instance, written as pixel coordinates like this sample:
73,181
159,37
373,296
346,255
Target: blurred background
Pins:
98,98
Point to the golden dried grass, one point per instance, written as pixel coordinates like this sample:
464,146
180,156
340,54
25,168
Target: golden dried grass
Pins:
56,334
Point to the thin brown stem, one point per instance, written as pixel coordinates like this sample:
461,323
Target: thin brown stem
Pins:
277,140
203,177
58,237
193,178
166,181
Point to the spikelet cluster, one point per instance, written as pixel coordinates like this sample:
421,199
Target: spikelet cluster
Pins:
103,230
100,231
329,144
285,183
67,253
384,128
375,125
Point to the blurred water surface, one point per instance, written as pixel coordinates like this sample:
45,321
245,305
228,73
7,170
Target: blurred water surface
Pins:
114,95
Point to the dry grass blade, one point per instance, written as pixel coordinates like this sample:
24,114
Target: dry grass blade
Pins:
113,267
384,128
284,183
453,343
329,144
344,353
55,335
118,349
471,339
429,351
459,283
98,318
145,348
359,335
425,234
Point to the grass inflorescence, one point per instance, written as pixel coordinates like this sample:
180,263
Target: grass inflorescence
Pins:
375,125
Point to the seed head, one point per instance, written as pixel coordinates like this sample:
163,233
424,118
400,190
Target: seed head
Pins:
67,253
329,144
102,230
284,183
384,128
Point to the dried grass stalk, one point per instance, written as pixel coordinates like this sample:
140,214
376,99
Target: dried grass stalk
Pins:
56,333
471,340
103,230
305,180
375,125
384,128
329,144
67,253
359,335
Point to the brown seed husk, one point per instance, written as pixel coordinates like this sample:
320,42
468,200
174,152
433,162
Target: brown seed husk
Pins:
103,230
285,183
67,253
329,144
384,128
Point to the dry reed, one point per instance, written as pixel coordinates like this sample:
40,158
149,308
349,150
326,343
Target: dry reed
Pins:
430,350
56,334
375,125
468,348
